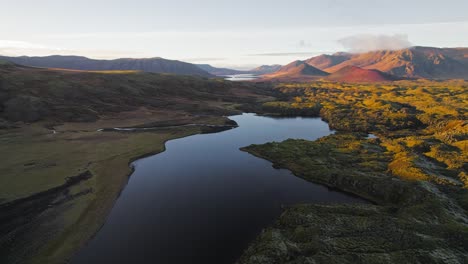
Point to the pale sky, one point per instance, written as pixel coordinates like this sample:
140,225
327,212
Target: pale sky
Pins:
239,34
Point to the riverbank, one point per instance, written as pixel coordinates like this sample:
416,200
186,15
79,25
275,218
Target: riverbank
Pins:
203,189
412,221
58,214
49,122
414,172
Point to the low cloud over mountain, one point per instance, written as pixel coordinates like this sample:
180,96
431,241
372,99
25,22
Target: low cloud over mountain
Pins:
366,43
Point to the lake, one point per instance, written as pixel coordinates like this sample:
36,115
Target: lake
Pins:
241,77
203,200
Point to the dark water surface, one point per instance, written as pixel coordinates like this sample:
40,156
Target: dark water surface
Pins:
203,200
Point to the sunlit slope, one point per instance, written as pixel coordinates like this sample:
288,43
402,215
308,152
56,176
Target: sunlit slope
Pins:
416,62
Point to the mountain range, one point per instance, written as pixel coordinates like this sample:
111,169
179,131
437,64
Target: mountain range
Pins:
157,65
378,66
374,66
302,71
415,62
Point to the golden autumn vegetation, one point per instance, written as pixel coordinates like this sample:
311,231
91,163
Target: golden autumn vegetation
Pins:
423,123
414,172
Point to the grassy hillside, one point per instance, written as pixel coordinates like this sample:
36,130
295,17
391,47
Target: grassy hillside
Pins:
32,94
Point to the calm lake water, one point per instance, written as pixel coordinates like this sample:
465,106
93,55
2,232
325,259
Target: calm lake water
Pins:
203,200
241,77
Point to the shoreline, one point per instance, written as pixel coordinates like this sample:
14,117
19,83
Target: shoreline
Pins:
327,186
146,155
128,176
375,202
92,200
409,220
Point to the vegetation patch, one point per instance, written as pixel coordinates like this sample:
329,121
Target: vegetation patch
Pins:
415,172
411,221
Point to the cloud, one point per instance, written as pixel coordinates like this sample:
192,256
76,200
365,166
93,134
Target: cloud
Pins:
364,43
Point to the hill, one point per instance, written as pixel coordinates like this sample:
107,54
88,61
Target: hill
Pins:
297,70
266,69
415,62
325,61
219,71
356,74
157,65
31,94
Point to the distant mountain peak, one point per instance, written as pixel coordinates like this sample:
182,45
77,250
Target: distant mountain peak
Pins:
300,68
296,70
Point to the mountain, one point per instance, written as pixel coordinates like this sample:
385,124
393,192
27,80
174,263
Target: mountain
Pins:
158,65
219,71
324,61
356,74
266,69
300,68
415,62
297,70
459,54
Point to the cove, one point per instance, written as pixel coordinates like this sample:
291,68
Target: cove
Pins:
203,200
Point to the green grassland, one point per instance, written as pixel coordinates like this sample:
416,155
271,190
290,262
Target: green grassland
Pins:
414,173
